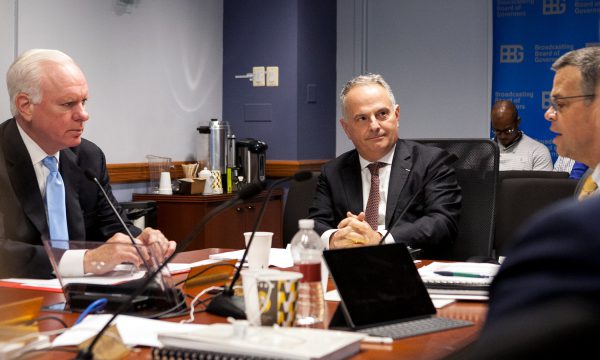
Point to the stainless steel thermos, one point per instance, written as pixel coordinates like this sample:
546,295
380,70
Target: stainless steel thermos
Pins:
239,161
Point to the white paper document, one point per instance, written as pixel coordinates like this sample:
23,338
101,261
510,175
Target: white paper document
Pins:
178,268
476,273
108,279
112,278
135,331
459,280
281,258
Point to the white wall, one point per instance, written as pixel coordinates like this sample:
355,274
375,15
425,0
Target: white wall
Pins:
435,54
154,68
7,45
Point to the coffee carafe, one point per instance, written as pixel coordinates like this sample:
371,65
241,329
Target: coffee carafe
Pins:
251,159
218,132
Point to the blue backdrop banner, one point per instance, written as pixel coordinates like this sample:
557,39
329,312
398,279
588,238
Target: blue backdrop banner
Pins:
528,36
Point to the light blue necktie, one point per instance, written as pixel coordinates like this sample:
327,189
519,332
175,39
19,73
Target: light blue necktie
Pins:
55,204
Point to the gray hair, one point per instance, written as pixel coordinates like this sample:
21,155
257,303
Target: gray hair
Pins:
25,74
366,79
587,60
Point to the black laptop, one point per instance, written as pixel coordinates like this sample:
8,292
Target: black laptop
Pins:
382,293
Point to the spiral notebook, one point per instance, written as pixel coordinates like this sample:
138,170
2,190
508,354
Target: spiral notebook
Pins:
459,287
221,341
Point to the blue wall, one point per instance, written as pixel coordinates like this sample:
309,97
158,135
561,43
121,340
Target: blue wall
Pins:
316,73
299,36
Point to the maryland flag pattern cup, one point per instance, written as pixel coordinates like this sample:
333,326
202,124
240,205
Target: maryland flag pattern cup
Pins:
277,296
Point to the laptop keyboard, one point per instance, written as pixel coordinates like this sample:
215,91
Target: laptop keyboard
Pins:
415,327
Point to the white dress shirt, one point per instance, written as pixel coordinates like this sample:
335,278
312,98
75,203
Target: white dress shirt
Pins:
71,262
384,181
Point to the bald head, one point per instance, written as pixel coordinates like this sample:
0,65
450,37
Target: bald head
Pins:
505,121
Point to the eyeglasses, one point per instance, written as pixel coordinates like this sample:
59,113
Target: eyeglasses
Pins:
557,107
508,131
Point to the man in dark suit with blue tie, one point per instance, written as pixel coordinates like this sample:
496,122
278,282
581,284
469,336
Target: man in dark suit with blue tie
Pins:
363,193
48,93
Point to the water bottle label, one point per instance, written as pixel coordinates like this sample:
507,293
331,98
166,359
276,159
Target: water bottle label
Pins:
311,272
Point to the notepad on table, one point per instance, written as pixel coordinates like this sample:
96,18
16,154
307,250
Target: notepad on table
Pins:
459,287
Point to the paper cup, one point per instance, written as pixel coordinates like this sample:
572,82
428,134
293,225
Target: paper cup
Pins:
270,296
165,184
258,254
249,278
277,297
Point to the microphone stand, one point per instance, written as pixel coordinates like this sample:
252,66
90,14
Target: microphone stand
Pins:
92,177
226,304
246,193
393,221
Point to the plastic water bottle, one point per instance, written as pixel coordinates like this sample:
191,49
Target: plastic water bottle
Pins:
307,252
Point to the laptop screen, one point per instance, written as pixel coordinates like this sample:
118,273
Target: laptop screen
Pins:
378,284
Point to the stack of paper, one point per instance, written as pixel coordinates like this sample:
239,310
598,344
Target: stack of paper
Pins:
459,280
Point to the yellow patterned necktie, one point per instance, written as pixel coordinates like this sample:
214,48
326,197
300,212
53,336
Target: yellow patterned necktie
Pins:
589,186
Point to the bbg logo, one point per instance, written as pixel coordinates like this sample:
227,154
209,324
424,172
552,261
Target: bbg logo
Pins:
545,99
553,7
511,54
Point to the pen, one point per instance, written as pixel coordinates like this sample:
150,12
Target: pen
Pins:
462,274
378,340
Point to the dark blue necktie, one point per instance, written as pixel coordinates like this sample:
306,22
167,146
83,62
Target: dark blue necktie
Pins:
55,204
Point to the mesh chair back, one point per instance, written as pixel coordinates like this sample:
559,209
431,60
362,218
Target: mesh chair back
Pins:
476,168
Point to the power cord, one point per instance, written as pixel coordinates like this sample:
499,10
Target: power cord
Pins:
95,306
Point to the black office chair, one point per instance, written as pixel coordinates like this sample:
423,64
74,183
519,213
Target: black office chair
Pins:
299,199
145,209
519,198
512,174
476,169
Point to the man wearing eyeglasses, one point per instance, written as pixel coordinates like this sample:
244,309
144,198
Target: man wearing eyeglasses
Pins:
574,111
517,150
555,259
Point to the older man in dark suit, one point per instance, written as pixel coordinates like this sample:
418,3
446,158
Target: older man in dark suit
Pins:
364,192
48,93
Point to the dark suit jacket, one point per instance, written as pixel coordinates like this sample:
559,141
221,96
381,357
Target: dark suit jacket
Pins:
23,221
430,222
554,257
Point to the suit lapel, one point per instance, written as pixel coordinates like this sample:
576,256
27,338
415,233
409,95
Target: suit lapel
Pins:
401,166
70,173
352,183
22,178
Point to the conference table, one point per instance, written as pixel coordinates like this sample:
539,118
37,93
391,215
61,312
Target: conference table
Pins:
423,347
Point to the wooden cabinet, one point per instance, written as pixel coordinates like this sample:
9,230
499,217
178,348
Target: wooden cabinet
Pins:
177,215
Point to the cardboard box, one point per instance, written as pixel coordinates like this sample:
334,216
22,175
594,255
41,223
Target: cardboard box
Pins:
193,186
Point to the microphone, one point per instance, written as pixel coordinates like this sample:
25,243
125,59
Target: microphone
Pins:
225,304
450,159
247,192
92,177
394,221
